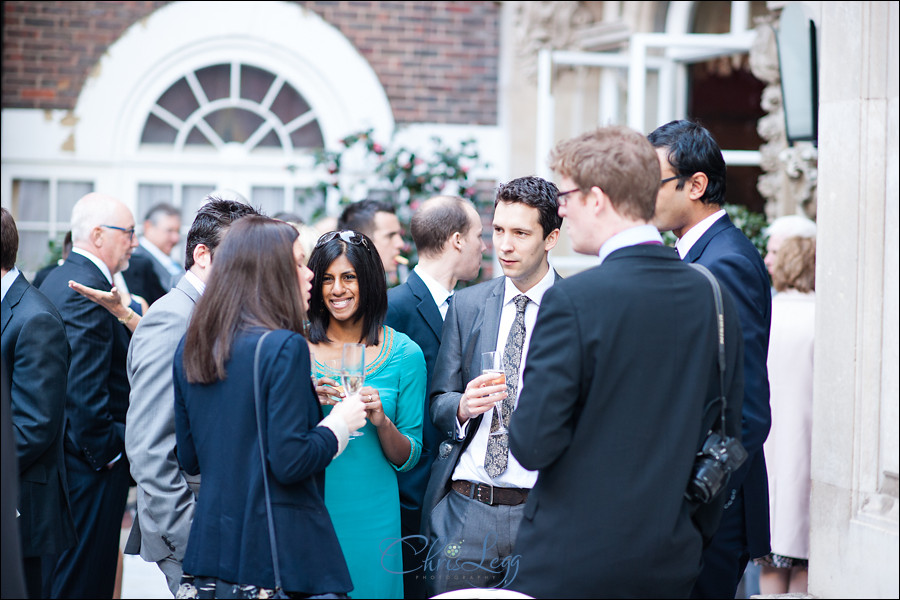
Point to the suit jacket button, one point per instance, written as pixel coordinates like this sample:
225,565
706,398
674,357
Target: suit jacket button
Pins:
445,449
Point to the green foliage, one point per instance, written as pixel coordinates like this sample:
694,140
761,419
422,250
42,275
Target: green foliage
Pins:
403,175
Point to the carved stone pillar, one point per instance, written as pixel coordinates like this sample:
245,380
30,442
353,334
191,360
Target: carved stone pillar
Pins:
790,173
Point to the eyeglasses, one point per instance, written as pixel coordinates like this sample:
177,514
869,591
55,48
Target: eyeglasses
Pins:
130,232
668,179
561,200
351,237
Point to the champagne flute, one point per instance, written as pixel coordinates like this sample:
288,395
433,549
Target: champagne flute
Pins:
490,364
353,372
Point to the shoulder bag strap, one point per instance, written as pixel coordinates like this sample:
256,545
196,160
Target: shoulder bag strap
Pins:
262,456
720,331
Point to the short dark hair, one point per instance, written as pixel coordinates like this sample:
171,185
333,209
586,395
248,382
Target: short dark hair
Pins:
162,209
257,254
439,218
360,216
537,193
690,149
372,287
10,241
210,223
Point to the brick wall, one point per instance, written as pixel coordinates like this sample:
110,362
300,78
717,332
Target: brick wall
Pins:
438,61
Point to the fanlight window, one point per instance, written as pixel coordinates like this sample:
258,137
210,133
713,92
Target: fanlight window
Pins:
235,103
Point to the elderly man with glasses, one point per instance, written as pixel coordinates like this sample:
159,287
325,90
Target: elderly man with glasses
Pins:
96,397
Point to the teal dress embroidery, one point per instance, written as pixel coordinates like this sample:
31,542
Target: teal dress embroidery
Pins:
361,491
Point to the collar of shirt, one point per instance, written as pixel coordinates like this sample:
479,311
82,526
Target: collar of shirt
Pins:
100,264
640,234
195,281
164,259
685,242
534,294
437,291
8,280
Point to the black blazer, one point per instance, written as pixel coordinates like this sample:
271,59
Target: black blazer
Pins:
36,362
622,361
97,386
216,435
146,277
738,266
411,310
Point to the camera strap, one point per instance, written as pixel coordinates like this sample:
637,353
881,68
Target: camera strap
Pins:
720,334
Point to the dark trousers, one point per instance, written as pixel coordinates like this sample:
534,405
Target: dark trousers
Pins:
726,557
97,499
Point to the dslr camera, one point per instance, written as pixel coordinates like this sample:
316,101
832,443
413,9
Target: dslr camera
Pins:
719,457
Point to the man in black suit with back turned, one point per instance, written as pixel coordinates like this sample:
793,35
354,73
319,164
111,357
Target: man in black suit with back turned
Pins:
690,205
96,397
35,365
447,233
621,367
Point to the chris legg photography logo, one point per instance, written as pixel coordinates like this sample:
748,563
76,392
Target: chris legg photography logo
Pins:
442,560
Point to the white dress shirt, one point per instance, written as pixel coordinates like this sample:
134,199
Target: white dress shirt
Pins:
471,462
440,294
174,269
94,259
8,280
685,242
632,236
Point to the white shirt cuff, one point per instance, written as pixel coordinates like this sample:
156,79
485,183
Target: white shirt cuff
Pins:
340,430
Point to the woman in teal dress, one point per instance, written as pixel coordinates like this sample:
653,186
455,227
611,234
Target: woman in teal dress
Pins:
348,305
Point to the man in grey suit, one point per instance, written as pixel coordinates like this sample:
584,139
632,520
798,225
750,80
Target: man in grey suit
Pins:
165,494
152,272
477,490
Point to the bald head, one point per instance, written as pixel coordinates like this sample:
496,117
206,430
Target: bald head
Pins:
104,226
436,220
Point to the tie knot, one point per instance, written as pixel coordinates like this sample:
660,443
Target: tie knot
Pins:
521,302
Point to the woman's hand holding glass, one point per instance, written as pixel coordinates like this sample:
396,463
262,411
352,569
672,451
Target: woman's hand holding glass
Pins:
374,410
328,389
353,412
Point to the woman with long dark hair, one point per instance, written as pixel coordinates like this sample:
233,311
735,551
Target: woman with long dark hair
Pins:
259,284
348,305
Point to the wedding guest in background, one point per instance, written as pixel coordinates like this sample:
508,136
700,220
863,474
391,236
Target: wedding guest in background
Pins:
378,221
216,425
348,305
153,271
789,445
42,273
447,233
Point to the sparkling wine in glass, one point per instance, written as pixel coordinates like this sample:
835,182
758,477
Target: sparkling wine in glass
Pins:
353,372
490,364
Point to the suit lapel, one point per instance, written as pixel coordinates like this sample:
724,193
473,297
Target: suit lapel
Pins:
426,307
188,289
700,245
490,326
93,276
13,297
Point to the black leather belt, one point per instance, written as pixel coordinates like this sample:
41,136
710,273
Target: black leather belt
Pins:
491,495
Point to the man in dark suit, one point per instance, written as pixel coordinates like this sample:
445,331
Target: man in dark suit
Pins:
96,397
476,492
35,364
690,205
447,232
609,415
165,493
152,271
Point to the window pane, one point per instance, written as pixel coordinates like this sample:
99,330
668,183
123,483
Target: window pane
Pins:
179,100
157,131
269,200
196,138
34,250
215,81
149,195
32,198
234,124
255,83
192,198
67,194
308,136
288,104
270,141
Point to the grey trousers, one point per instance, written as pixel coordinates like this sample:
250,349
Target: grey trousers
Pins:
471,545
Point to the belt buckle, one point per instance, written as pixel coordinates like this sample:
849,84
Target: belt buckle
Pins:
479,489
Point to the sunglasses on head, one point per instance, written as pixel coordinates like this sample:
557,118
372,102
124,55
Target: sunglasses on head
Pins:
351,237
